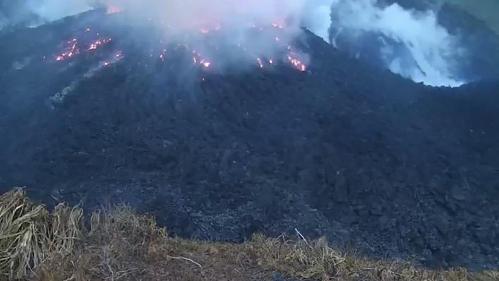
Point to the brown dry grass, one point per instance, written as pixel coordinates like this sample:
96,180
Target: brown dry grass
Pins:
29,234
118,244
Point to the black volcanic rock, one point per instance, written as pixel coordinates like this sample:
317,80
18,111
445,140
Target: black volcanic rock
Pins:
344,149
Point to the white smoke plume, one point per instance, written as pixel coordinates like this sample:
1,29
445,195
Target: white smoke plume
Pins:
233,21
412,43
184,15
188,14
50,10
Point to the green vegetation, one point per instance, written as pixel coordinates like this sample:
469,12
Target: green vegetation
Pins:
121,245
485,10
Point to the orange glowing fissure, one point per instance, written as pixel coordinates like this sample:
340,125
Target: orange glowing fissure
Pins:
98,43
292,58
70,52
72,48
296,63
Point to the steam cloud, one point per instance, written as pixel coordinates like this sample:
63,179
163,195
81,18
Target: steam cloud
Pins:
50,10
234,17
408,42
181,21
35,12
180,14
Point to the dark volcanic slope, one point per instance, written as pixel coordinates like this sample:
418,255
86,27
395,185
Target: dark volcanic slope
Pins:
342,150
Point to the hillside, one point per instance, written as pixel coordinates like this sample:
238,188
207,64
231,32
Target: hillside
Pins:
340,149
485,10
119,244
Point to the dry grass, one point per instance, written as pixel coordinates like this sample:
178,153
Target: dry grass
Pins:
317,261
29,234
121,245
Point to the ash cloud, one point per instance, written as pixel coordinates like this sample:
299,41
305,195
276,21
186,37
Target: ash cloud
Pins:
408,42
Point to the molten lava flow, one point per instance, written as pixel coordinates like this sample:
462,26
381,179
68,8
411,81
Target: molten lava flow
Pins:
162,55
99,43
72,48
117,56
296,62
198,59
274,51
70,51
260,62
205,63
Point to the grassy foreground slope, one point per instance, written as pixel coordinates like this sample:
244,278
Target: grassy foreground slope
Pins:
486,10
118,244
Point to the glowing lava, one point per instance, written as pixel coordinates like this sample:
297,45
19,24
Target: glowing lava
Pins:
198,59
113,9
260,62
117,56
70,51
296,62
205,63
98,43
162,56
90,42
211,28
74,47
279,24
